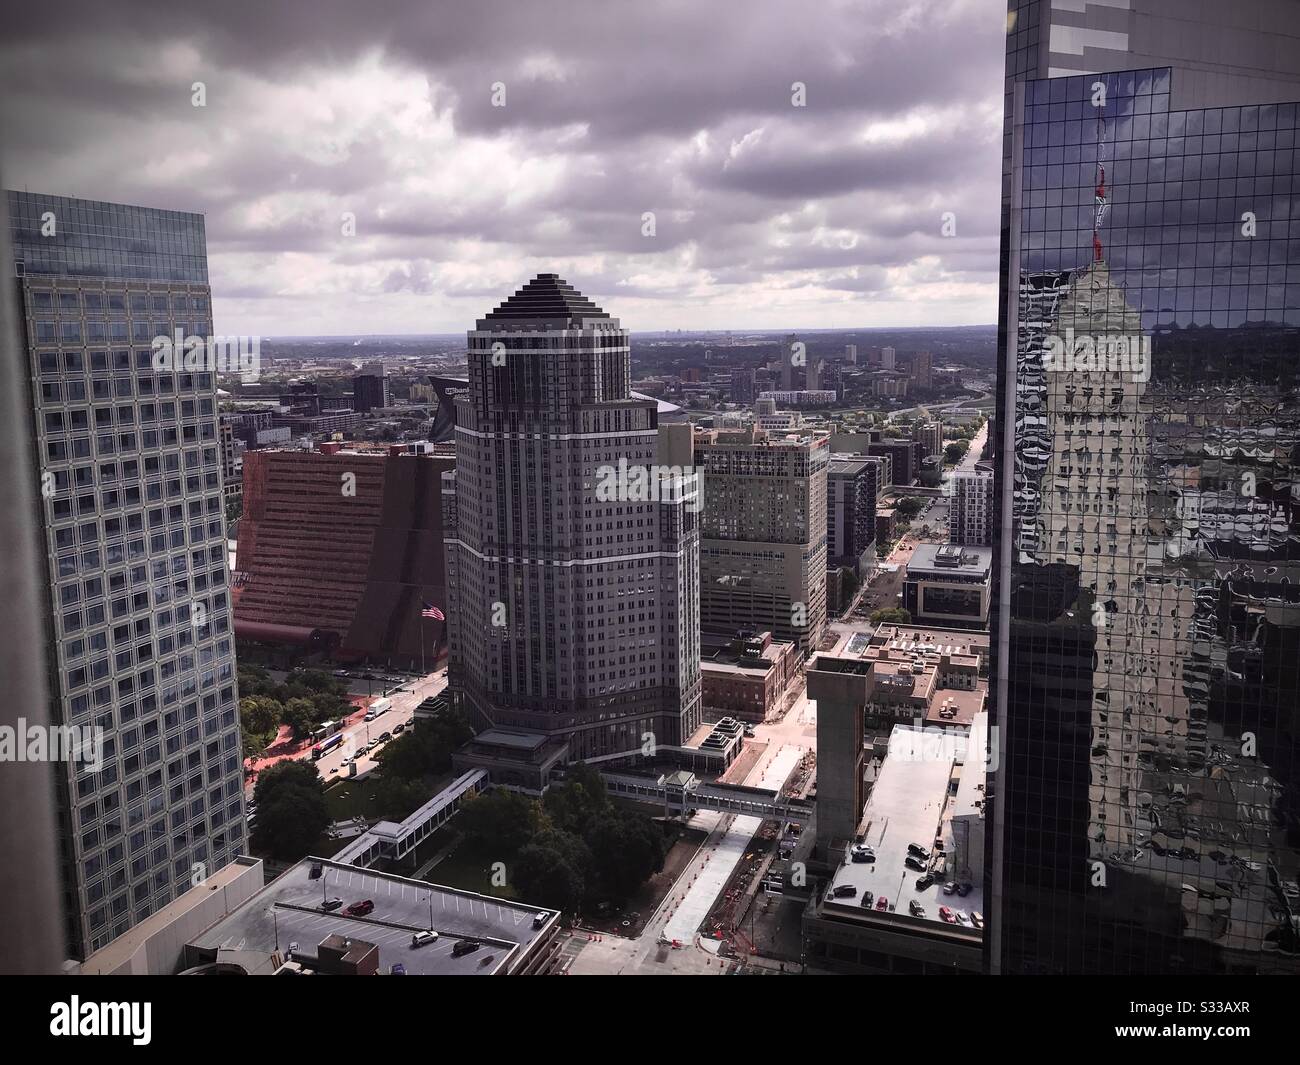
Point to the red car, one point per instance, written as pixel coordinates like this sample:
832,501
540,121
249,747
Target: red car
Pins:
360,909
882,903
946,915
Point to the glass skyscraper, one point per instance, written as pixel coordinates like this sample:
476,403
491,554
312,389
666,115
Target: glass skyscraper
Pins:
128,487
1146,627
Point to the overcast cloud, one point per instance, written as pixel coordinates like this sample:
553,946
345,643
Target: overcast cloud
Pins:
767,215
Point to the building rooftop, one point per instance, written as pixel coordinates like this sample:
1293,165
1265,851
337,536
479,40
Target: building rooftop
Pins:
546,296
951,558
288,911
908,804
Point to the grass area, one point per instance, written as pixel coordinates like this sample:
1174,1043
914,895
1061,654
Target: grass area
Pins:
469,872
348,798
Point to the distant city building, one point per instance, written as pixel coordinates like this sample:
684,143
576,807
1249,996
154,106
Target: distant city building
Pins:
800,398
232,484
851,494
890,384
763,547
971,515
922,370
930,436
812,379
743,385
572,583
888,358
133,534
851,354
370,389
948,585
904,457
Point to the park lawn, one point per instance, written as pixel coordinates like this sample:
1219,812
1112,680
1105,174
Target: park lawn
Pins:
469,872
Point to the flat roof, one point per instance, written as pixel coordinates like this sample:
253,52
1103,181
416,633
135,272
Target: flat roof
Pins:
907,805
288,910
941,558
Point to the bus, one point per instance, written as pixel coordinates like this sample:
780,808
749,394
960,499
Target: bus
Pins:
326,730
325,746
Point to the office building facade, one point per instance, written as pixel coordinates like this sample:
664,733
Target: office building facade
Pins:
763,534
1146,623
572,576
129,490
971,511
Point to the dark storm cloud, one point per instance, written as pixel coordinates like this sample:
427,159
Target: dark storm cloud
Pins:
612,109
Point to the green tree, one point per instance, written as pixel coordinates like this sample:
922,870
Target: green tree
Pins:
955,451
302,716
895,615
626,849
578,801
500,821
543,874
291,810
909,507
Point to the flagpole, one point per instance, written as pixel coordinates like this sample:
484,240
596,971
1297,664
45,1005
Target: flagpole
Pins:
422,669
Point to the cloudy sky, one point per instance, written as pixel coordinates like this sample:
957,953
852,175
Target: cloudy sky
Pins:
765,214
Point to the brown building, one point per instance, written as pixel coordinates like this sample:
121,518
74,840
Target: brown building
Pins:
748,676
341,550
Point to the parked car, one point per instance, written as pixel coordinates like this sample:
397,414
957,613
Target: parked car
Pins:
919,851
331,904
950,888
923,882
964,889
946,915
882,903
465,946
360,909
913,862
398,969
915,909
962,919
540,919
845,891
316,870
977,919
867,899
863,857
399,727
384,737
419,939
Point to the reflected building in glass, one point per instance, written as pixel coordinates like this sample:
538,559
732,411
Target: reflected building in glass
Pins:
1146,630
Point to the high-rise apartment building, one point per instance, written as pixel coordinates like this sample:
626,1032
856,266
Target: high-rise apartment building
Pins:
851,512
572,558
370,388
763,547
930,436
1146,617
888,358
971,512
129,491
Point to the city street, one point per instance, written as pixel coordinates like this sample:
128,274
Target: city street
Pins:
405,699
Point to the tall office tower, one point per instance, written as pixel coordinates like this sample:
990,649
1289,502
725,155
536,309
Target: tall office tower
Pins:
763,529
370,388
851,513
812,380
888,358
572,573
134,526
930,436
923,369
1146,621
788,354
970,521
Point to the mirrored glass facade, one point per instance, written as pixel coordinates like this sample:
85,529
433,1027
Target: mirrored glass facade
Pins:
1149,800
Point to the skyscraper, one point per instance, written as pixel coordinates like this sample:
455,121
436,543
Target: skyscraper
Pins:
971,517
370,388
134,526
763,552
1146,622
572,559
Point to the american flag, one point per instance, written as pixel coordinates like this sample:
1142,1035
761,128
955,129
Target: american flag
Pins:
431,611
